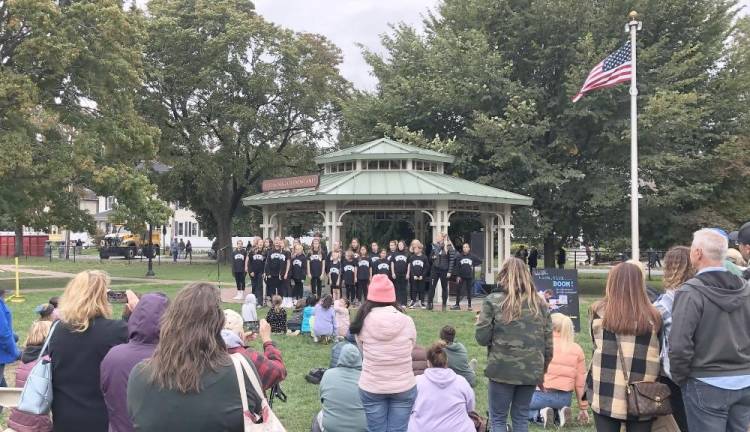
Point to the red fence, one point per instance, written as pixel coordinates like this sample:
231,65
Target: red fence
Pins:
33,245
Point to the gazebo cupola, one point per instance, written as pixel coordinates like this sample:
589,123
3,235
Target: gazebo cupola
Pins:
383,155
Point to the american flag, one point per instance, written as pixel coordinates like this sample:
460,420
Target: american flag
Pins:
613,70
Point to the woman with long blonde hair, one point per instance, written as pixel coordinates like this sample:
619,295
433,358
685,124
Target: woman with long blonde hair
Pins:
77,346
20,421
566,374
515,325
625,331
677,270
191,374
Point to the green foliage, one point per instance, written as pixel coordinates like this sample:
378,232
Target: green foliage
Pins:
491,82
69,75
237,99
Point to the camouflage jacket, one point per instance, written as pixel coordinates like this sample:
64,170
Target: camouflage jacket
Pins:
519,352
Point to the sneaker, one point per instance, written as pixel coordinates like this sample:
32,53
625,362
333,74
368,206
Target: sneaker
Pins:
548,416
422,305
473,364
411,304
455,307
429,306
566,415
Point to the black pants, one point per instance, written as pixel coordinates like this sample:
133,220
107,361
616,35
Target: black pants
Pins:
417,290
257,283
351,292
362,286
274,286
561,265
239,279
401,285
299,289
465,285
442,276
316,286
609,424
678,406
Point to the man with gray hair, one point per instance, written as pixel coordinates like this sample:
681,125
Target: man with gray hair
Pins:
709,345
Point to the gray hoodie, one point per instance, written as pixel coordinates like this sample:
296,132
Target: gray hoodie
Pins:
339,393
710,335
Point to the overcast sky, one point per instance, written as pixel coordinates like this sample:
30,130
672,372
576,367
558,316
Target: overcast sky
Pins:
348,22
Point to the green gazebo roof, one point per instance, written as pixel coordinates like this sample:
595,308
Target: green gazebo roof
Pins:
390,185
383,148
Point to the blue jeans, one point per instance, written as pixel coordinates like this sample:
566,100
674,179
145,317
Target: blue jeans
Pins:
388,412
711,408
552,398
513,398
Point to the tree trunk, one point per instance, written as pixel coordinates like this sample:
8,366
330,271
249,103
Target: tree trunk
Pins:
224,235
19,240
549,251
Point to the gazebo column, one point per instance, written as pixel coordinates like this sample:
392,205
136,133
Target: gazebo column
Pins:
266,226
490,230
330,218
441,218
504,231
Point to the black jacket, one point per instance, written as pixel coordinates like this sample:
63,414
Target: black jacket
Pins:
466,265
710,334
442,259
78,403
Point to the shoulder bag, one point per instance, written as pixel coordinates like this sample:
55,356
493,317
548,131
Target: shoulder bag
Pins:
36,397
645,399
267,422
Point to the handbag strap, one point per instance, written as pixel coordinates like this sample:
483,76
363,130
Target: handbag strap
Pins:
241,382
240,365
46,341
622,361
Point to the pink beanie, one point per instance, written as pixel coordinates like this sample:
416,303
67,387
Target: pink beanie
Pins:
381,290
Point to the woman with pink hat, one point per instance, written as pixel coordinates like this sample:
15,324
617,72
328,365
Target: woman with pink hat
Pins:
386,337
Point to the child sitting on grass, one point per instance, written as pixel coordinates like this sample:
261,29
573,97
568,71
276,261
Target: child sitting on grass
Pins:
294,325
341,307
307,313
324,328
276,316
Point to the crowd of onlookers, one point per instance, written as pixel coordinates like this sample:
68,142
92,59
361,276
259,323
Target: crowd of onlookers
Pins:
173,364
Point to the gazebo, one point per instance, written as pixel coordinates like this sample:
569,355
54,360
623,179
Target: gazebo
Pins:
389,176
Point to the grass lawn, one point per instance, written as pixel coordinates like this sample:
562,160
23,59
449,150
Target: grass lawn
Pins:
301,354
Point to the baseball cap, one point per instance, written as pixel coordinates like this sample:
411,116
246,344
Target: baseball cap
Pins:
742,235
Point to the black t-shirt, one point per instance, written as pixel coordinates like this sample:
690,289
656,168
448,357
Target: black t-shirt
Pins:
276,263
374,258
363,268
400,263
419,265
316,264
334,273
299,267
257,263
382,266
238,260
466,264
348,268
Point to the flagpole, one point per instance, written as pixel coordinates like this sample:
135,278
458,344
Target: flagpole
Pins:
633,26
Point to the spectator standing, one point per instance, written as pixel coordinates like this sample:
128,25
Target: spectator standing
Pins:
174,249
533,259
143,329
190,383
514,324
458,358
561,258
742,237
339,393
709,342
18,420
386,336
181,247
566,374
444,399
9,352
269,364
77,347
522,253
677,271
189,250
625,331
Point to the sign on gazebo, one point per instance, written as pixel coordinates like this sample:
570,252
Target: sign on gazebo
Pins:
286,183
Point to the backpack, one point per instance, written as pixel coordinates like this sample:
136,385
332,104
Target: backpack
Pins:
36,397
315,375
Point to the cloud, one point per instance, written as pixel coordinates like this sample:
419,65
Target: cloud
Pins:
346,23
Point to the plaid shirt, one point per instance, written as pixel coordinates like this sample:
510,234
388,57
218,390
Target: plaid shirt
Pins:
606,388
270,366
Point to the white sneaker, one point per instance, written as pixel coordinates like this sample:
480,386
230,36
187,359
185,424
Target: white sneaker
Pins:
565,416
548,416
473,364
315,339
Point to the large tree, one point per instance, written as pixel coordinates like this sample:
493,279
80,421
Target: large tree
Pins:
237,99
492,81
69,76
